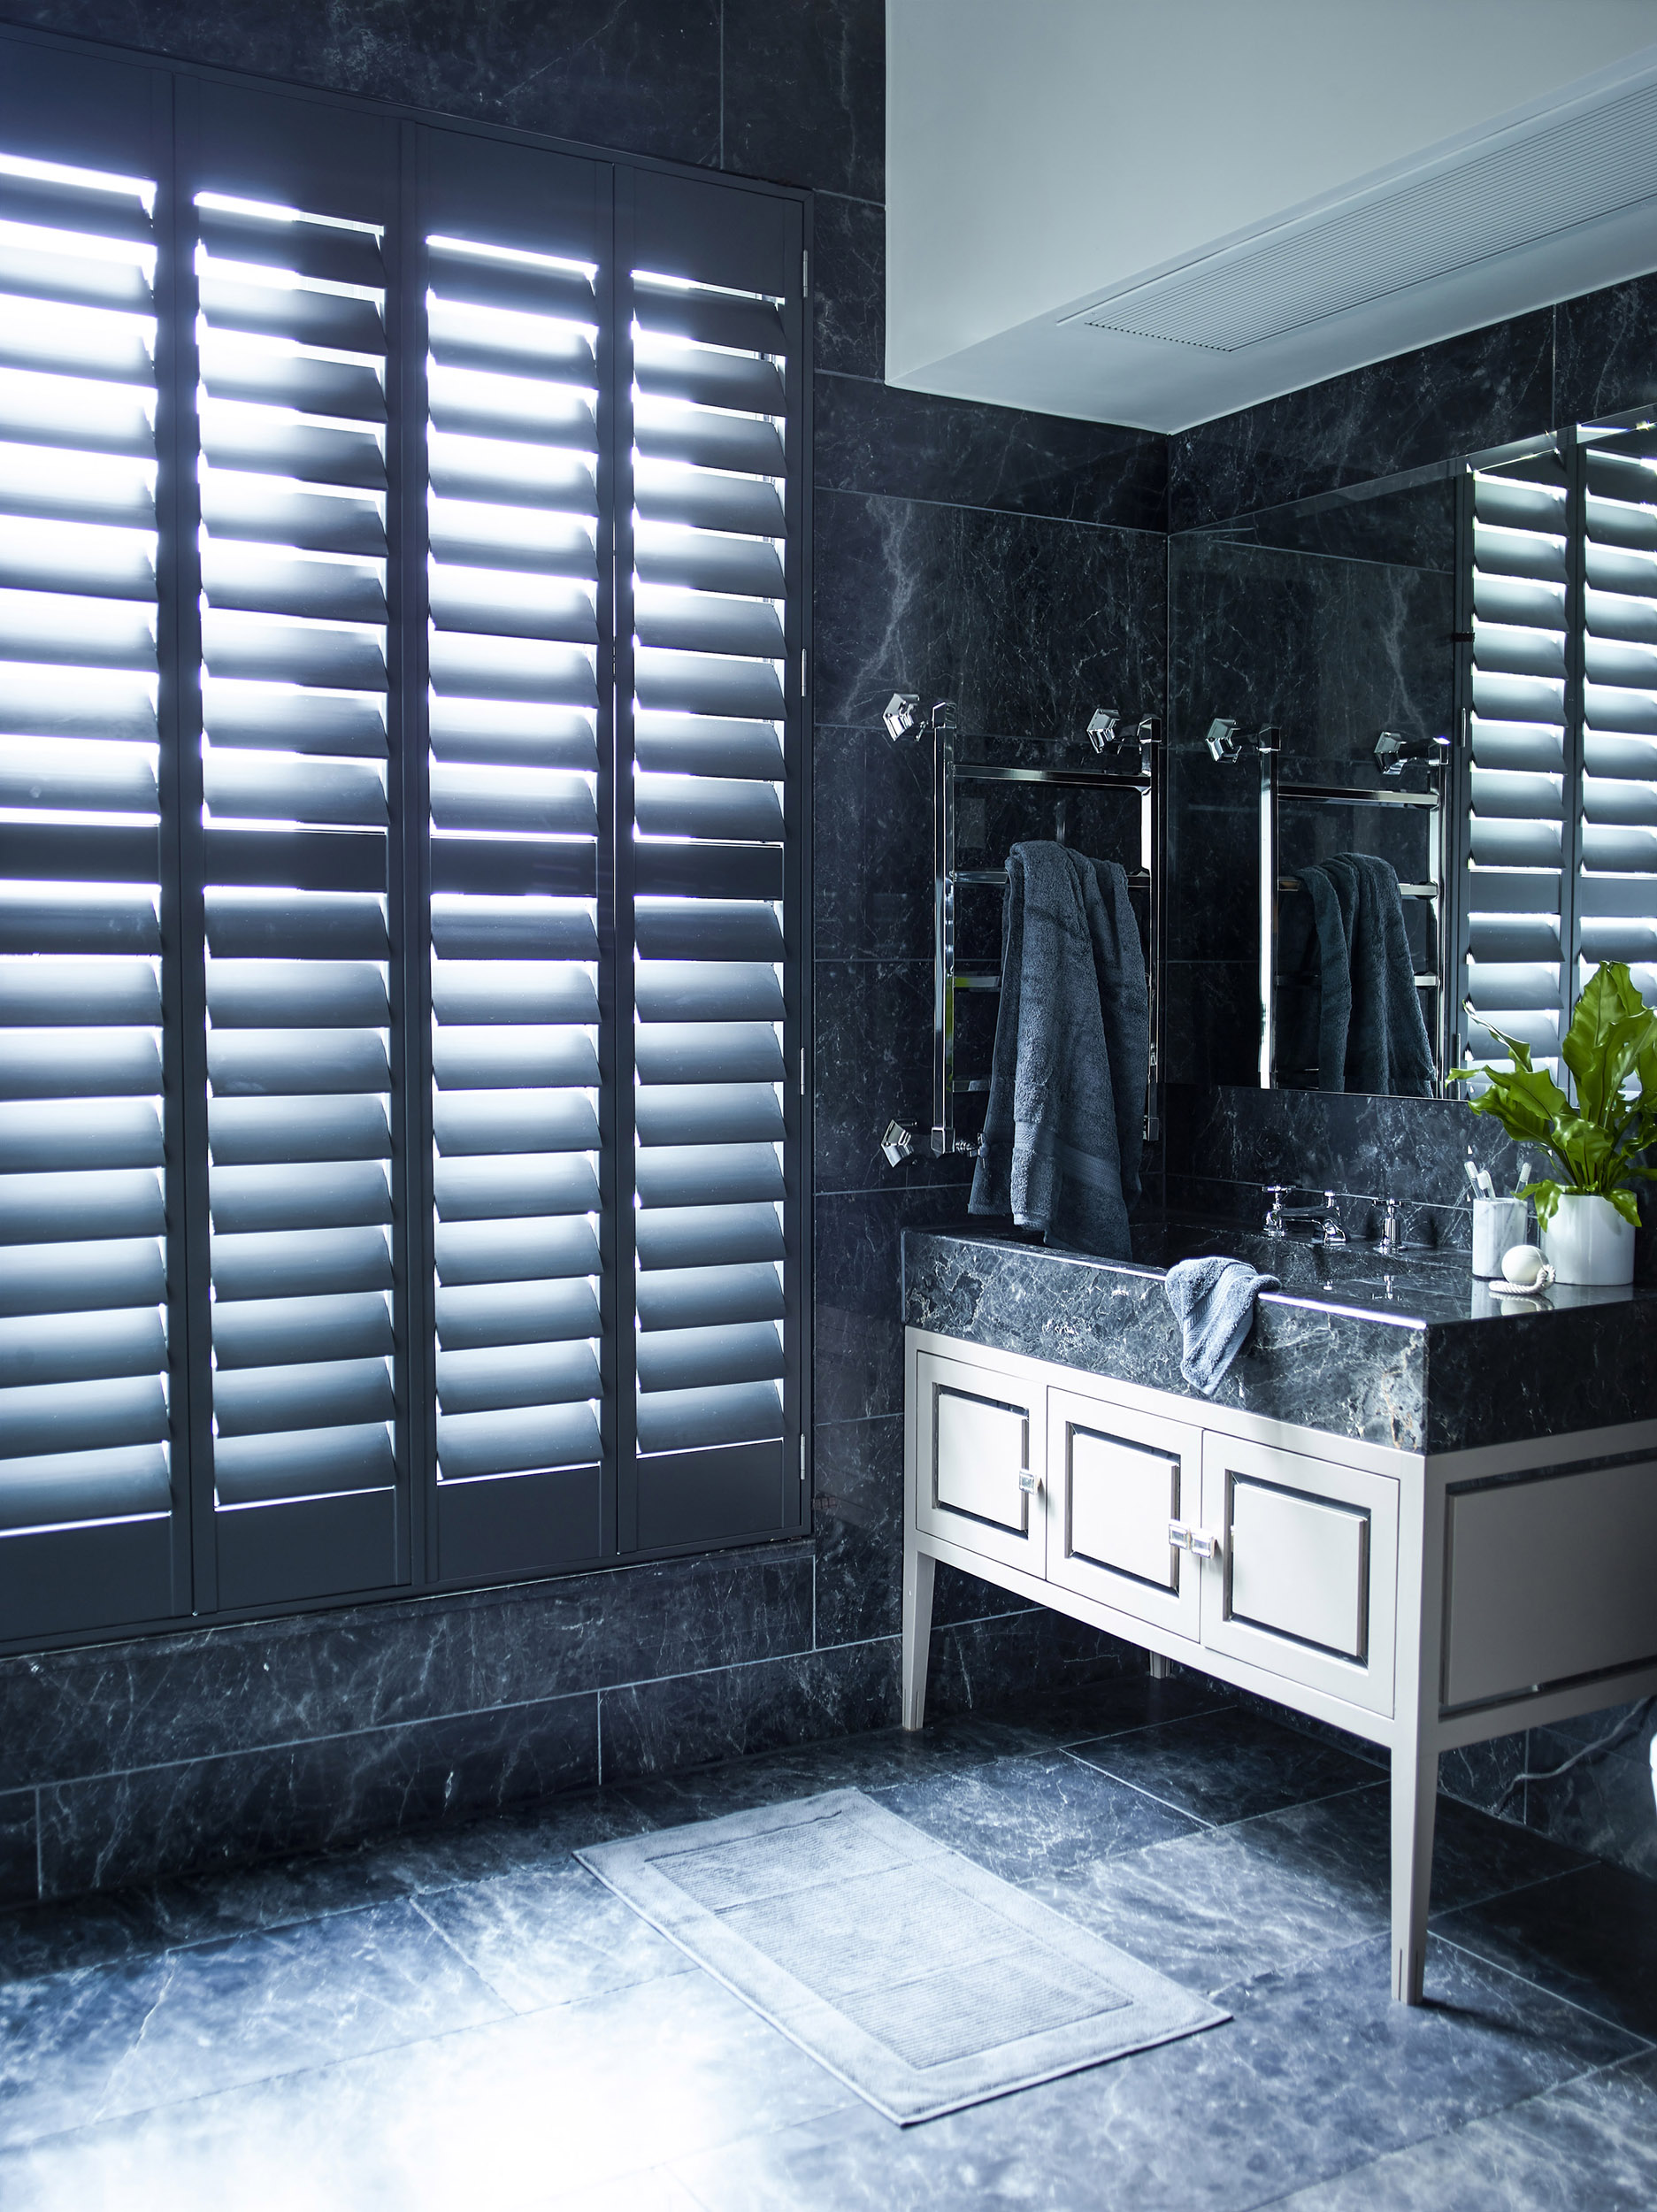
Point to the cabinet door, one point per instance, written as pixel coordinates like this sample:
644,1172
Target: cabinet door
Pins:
1116,1480
977,1461
1304,1576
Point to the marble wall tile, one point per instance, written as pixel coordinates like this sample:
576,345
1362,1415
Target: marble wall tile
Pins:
1461,396
805,93
641,75
873,1020
996,1663
1603,1806
1027,624
873,437
158,1700
848,287
872,846
19,1870
857,1298
1606,353
1484,1774
690,1720
116,1830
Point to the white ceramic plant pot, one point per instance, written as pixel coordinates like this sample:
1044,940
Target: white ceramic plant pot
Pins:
1588,1241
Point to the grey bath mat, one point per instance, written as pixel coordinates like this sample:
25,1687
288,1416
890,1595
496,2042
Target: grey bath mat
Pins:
925,1982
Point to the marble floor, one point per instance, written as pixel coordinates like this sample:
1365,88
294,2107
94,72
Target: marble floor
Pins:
468,2019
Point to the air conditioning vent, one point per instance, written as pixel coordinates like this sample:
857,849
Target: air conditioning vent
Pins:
1542,178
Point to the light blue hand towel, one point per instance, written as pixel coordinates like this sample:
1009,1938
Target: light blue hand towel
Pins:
1214,1303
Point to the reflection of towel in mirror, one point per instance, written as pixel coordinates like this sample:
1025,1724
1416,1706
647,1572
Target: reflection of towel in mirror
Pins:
1066,1110
1214,1303
1372,1036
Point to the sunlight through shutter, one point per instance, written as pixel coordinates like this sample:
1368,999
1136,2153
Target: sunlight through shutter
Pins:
1617,890
513,512
295,760
1515,909
85,1474
710,544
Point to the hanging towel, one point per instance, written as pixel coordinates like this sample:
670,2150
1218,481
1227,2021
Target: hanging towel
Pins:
1372,1036
1066,1113
1214,1303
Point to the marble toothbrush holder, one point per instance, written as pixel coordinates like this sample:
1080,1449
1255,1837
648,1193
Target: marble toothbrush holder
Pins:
1499,1224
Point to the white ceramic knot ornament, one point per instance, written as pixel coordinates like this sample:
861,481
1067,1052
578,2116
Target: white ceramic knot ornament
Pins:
1524,1269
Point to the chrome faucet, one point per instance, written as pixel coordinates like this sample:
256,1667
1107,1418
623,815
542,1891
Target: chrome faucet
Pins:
1391,1239
1279,1218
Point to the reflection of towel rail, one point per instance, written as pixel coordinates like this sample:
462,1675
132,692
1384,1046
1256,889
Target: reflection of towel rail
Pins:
1275,789
1149,785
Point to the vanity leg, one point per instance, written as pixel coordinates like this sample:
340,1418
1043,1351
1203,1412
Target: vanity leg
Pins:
1415,1801
919,1568
1160,1668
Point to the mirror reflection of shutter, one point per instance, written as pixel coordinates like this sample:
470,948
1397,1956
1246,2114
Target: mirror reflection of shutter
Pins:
512,323
293,426
1617,890
86,1485
1514,907
713,640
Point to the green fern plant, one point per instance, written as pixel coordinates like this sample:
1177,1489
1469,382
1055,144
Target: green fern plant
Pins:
1611,1051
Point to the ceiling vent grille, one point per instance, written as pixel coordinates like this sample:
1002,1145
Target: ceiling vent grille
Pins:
1479,206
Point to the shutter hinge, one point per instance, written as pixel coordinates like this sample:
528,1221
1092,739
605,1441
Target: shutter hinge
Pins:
802,1070
804,665
805,271
803,1457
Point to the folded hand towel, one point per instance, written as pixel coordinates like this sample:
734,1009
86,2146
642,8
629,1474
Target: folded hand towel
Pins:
1214,1303
1065,1117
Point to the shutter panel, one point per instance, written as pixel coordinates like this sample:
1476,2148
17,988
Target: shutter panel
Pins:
1617,889
513,325
85,1478
1514,902
296,811
714,509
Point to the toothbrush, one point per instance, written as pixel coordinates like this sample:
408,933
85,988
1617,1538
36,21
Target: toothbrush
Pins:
1485,1184
1472,1176
1523,1177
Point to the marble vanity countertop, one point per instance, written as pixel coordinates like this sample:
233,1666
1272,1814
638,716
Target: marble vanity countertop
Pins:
1409,1351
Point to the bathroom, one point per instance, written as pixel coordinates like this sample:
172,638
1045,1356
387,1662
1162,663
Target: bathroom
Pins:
291,1912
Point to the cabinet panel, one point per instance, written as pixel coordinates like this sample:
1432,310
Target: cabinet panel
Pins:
977,1460
1116,1479
1549,1580
1304,1578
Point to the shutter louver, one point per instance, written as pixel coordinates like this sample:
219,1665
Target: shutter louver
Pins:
709,548
1617,889
512,452
86,1483
1517,912
294,752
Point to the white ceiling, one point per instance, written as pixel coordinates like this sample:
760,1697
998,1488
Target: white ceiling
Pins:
1156,213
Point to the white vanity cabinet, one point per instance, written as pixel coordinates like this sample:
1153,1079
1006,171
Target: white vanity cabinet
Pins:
1422,1601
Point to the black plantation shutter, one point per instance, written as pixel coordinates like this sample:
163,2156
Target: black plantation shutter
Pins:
85,1477
293,271
716,693
1517,881
402,573
513,325
1616,891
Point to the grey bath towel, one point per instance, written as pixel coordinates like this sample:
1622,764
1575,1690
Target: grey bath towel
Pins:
1066,1111
1372,1036
1214,1303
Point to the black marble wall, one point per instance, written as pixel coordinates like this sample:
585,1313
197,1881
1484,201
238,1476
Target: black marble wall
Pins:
1012,560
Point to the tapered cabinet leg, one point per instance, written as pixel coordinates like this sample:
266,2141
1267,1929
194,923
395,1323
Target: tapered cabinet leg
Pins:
919,1568
1415,1801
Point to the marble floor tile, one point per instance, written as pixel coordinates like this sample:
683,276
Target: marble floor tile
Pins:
1346,1841
1591,1936
77,1932
1221,1767
513,1843
1114,1704
1034,1817
551,1937
1590,2146
99,2042
660,2189
499,2117
1317,2071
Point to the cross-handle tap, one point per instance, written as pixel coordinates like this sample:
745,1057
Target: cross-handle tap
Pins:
1391,1239
1279,1216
